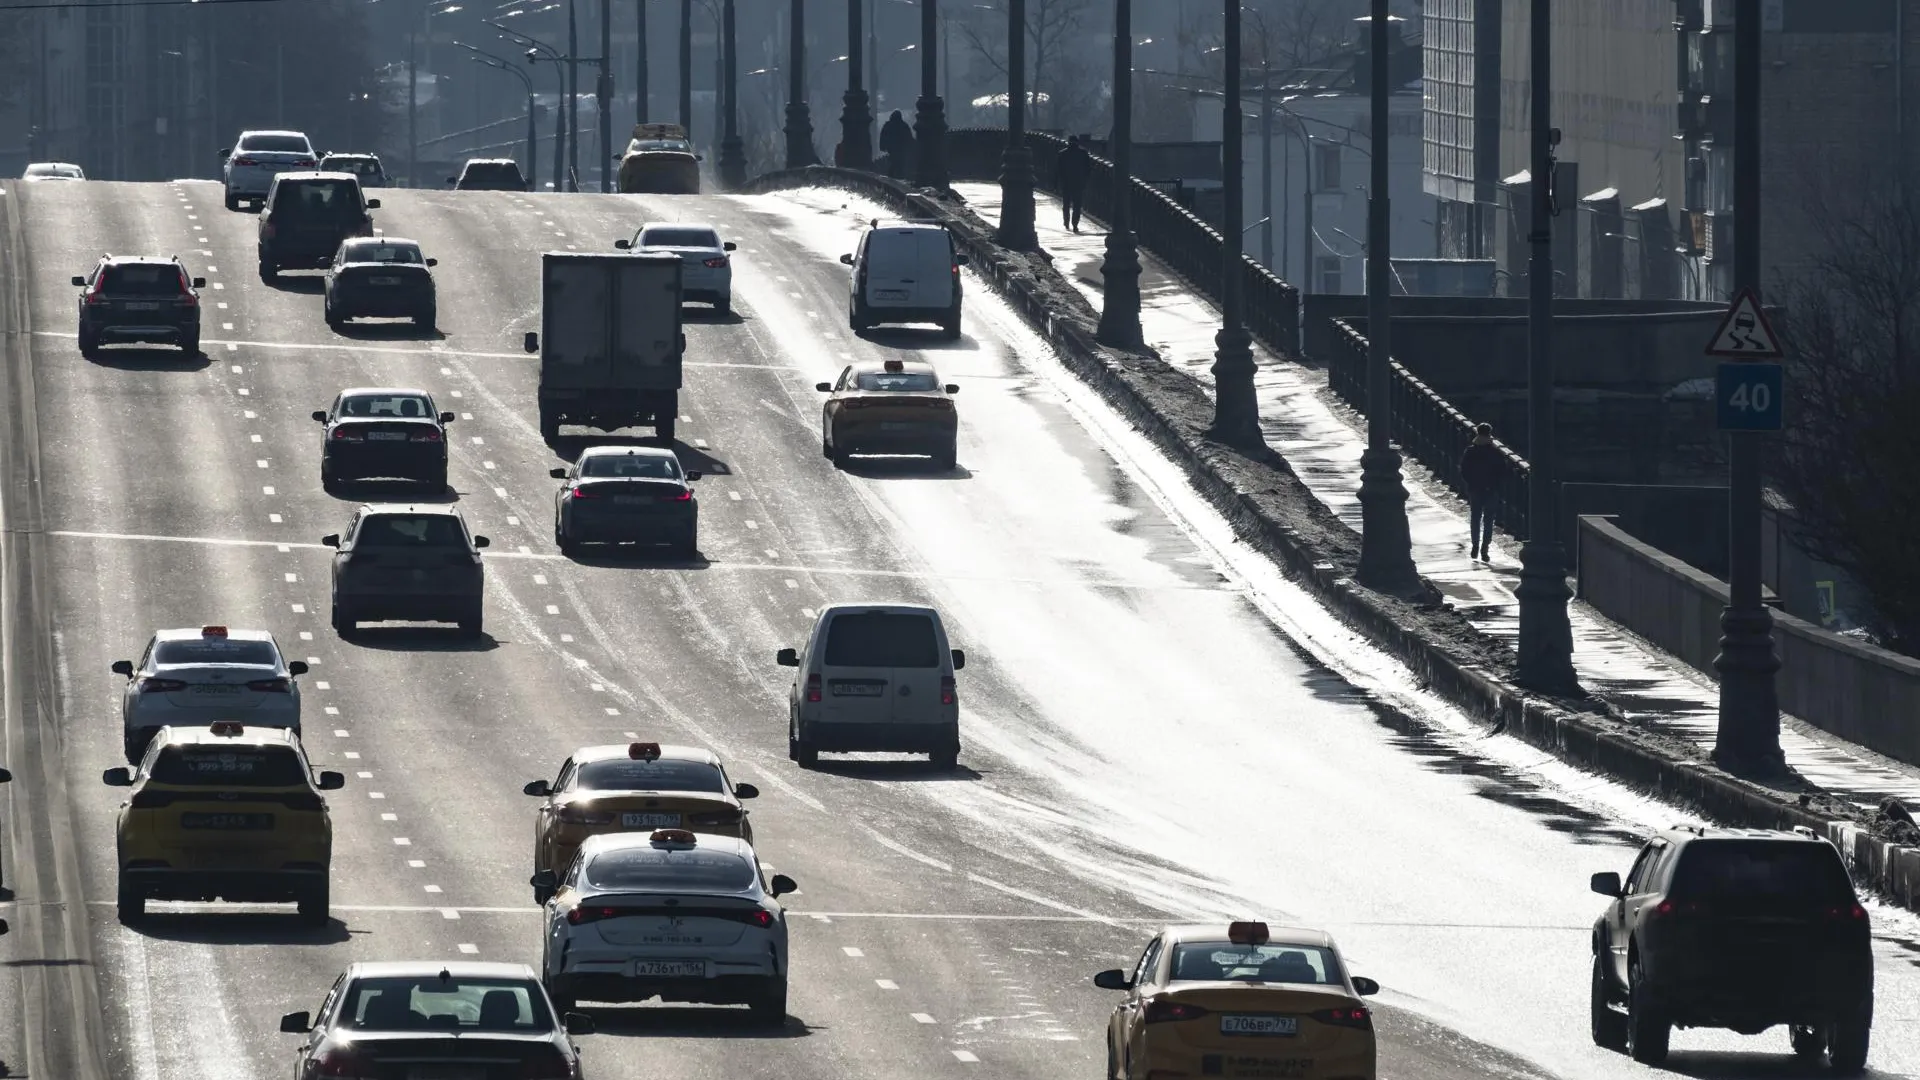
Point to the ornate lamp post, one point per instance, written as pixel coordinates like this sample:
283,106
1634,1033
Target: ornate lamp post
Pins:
1236,413
733,158
930,111
800,152
1016,161
1120,273
856,119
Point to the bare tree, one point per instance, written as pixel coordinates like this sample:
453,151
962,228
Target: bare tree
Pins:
1061,74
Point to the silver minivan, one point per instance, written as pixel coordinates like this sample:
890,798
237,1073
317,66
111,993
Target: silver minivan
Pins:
875,677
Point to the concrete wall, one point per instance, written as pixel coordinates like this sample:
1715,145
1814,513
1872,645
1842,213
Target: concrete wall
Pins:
1686,521
1861,693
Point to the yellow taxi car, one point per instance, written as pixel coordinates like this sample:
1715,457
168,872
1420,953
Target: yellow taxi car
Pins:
225,812
1240,1001
660,160
894,407
637,787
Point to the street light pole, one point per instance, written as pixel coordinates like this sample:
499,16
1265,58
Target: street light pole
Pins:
856,118
800,152
733,158
642,78
1545,647
1236,413
1386,544
1266,152
605,96
686,66
930,112
413,108
1748,739
1016,161
1120,272
573,98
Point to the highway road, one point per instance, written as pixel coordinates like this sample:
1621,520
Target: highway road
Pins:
1141,743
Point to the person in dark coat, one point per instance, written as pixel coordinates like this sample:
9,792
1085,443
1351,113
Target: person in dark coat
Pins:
1070,172
1480,470
896,141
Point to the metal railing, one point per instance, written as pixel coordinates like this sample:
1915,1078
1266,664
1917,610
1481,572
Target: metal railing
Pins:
1426,427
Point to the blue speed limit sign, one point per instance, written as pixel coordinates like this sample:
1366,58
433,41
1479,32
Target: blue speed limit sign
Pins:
1748,395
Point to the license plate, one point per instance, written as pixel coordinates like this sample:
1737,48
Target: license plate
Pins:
897,425
226,821
387,436
1259,1025
633,500
383,281
669,969
853,689
649,821
889,294
143,305
447,1072
216,690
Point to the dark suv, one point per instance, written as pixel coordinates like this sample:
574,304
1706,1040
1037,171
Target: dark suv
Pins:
1739,929
139,298
307,215
489,174
407,562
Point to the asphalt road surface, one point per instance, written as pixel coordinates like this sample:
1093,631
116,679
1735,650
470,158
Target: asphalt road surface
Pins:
1140,743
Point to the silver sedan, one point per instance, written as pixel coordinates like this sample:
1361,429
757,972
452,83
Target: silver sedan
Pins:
192,677
706,270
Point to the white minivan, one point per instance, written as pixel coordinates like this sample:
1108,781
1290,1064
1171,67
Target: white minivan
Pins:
875,677
905,272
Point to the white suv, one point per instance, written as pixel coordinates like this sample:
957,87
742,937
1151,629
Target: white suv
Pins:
671,914
259,156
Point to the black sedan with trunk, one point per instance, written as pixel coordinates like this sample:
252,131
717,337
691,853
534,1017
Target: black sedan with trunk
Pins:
383,433
626,494
381,277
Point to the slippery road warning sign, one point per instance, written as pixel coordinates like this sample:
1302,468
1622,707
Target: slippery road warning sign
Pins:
1744,333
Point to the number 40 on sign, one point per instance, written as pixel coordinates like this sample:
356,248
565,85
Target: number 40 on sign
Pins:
1749,396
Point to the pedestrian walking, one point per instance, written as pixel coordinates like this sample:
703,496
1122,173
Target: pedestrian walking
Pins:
1070,172
1480,470
896,141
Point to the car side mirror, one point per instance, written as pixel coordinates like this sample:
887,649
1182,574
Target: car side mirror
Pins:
1364,986
1607,884
825,388
199,283
447,418
557,474
225,150
332,781
319,416
959,659
745,791
953,388
787,658
6,777
961,260
532,342
117,777
623,245
79,282
331,540
481,541
729,246
699,157
545,883
296,1023
539,789
692,476
1112,979
452,180
579,1024
3,927
123,667
846,260
781,885
373,204
297,667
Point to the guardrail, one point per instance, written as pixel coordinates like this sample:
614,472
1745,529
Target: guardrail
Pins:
1426,427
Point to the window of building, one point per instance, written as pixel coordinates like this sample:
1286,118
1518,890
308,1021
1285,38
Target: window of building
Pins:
1326,167
1326,270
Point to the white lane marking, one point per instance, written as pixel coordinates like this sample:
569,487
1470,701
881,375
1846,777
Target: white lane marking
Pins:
416,864
376,794
630,735
306,635
457,393
886,984
486,464
323,685
901,849
218,285
274,519
350,755
921,1018
226,326
568,638
255,438
599,688
466,416
430,888
261,462
237,369
299,609
249,414
734,495
332,710
539,579
244,392
511,520
851,951
1038,899
221,304
500,492
806,613
389,817
701,444
289,577
478,441
401,841
449,913
267,490
792,584
751,524
469,949
553,609
965,1057
212,269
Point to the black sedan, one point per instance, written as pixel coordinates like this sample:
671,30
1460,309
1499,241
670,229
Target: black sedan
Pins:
383,433
438,1018
381,277
626,494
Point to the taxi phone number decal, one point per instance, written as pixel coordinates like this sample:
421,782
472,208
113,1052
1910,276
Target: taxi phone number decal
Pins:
1264,1068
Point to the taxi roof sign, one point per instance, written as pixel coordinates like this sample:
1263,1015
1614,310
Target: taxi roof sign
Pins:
644,751
228,728
673,836
896,365
213,631
1247,933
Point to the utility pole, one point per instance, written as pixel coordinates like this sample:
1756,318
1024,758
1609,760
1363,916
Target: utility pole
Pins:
733,158
930,113
1120,272
686,66
1236,413
573,98
642,78
1386,544
1307,240
856,117
1266,150
1016,161
1748,739
1545,648
800,152
413,109
605,95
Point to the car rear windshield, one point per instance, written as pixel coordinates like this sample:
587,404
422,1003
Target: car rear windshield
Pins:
360,166
410,531
882,639
657,868
457,1003
321,198
905,381
383,253
655,146
397,405
625,774
1219,962
693,238
276,144
143,279
610,465
493,173
216,651
1761,873
195,765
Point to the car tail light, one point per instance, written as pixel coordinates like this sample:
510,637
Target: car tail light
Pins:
347,435
580,915
761,918
428,435
337,1062
813,688
1669,909
1346,1016
161,686
716,264
1160,1009
580,492
719,817
245,161
1847,912
307,163
186,291
686,495
271,686
947,696
96,293
580,815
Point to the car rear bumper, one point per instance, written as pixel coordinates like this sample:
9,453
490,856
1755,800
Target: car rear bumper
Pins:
384,459
920,438
249,182
381,303
612,526
377,605
276,885
882,738
883,311
153,717
146,330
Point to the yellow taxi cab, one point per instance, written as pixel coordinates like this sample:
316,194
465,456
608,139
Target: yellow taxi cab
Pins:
1243,1000
225,812
894,407
637,787
660,159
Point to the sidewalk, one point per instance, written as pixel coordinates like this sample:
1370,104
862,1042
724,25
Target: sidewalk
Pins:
1323,446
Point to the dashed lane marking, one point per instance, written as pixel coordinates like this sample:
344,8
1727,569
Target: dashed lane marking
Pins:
921,1018
965,1057
851,951
469,949
886,984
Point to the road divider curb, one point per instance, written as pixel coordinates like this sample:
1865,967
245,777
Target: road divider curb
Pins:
1271,510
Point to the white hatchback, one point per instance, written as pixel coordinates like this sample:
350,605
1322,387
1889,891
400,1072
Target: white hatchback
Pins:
193,677
671,914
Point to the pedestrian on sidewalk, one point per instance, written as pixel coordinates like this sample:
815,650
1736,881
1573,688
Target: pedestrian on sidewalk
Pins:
896,141
1480,470
1070,172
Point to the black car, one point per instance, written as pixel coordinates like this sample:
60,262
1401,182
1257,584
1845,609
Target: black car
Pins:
376,432
1734,928
626,494
414,563
308,216
460,1018
381,277
365,166
139,298
489,174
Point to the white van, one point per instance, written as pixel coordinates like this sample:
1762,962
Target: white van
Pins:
905,272
875,677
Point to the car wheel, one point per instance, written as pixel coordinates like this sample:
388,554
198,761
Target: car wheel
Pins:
1808,1043
345,620
723,307
131,903
549,426
191,345
950,328
663,431
471,624
233,203
769,1006
135,746
689,545
1609,1027
946,458
1647,1028
436,480
328,313
566,544
562,1003
268,271
838,455
316,905
427,318
945,760
1847,1040
89,344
